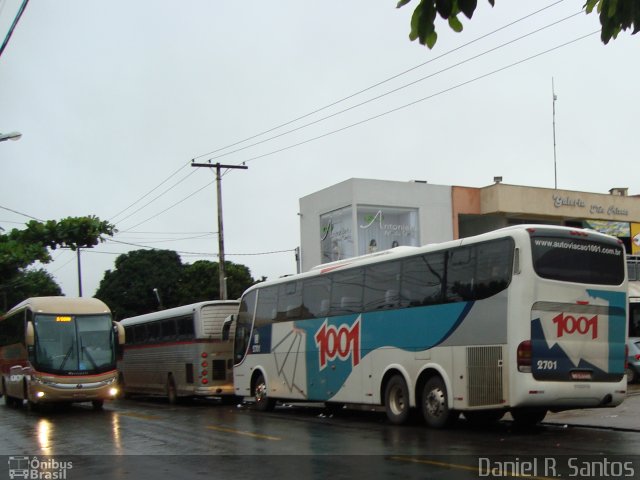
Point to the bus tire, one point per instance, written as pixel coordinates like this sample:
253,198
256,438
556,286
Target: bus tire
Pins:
528,417
435,406
263,403
172,393
396,400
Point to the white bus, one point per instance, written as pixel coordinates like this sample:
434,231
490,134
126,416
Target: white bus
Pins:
59,350
179,352
525,319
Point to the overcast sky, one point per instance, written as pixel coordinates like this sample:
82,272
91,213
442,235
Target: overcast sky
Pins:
113,98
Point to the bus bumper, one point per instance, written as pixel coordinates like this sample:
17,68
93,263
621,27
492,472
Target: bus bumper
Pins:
558,396
44,391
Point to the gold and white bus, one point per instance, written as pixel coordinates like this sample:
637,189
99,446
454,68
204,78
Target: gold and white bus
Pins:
59,350
179,352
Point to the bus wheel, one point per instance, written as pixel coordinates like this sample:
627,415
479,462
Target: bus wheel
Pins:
435,407
396,400
263,402
97,404
172,393
528,417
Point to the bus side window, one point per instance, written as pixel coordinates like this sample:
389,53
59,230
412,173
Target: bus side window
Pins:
267,309
289,301
186,328
494,267
422,279
315,297
461,271
346,292
168,329
381,286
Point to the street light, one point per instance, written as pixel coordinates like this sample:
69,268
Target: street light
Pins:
10,136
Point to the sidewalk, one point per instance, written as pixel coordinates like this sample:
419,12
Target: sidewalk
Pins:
622,417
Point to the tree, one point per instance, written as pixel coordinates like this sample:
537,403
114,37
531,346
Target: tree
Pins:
31,283
615,16
21,248
129,288
199,281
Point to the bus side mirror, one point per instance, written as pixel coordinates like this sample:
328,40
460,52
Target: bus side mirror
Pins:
30,336
120,331
226,326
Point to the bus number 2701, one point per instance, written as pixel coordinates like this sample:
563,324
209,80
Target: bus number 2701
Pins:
547,365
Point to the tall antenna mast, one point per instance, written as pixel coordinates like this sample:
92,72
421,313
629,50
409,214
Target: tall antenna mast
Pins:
555,170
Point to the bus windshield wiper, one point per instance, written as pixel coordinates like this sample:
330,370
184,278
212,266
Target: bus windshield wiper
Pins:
66,357
86,353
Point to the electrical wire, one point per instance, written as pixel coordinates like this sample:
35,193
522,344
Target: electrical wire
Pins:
113,217
420,100
13,26
395,90
382,82
354,106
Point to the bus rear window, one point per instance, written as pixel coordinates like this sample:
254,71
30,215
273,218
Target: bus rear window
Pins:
578,260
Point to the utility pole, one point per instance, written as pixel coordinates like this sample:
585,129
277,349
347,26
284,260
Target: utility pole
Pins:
221,270
79,273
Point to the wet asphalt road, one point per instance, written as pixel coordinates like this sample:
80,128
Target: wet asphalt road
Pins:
148,438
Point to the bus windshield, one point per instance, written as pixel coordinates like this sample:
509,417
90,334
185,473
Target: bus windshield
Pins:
579,260
67,343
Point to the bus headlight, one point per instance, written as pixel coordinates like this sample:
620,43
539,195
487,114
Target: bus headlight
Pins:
113,392
39,394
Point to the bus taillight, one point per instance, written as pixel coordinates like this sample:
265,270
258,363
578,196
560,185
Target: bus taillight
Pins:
524,356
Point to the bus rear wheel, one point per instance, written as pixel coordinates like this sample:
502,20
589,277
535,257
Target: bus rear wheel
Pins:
396,400
435,404
260,392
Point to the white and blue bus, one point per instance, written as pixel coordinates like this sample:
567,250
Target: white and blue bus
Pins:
179,352
525,319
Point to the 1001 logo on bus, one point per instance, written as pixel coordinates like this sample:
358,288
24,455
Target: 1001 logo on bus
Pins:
338,342
570,324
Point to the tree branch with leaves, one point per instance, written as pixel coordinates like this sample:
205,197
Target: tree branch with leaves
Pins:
615,16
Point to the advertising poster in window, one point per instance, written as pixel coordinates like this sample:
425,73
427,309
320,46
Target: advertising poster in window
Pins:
381,228
336,236
635,238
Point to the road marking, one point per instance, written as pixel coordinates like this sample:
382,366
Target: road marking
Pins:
457,466
240,432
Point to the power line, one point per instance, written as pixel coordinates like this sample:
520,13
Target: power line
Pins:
158,196
395,90
171,206
348,97
203,254
347,109
429,97
13,25
201,237
20,213
415,102
150,191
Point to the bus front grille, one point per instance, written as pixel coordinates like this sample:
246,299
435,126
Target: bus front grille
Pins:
484,376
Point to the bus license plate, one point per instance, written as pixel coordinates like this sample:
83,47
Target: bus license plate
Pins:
580,375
